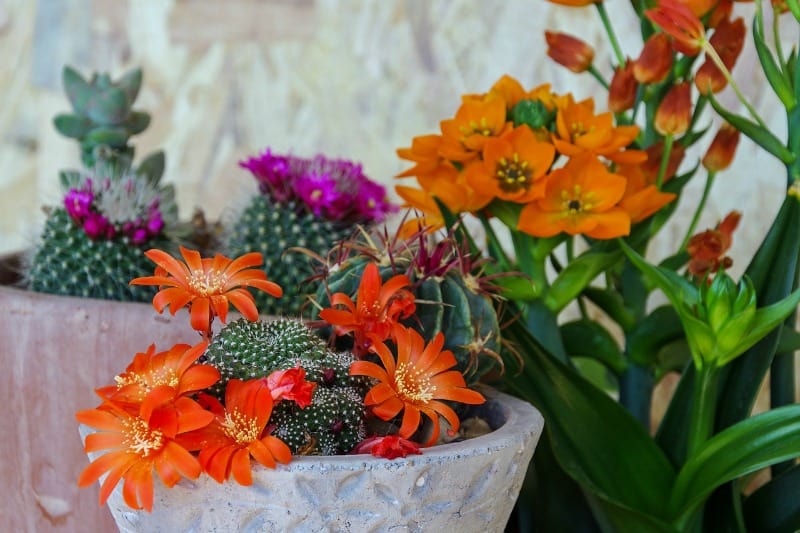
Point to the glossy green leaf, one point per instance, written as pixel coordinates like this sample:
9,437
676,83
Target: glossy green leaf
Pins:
775,506
777,79
77,89
612,304
789,340
577,276
658,328
73,126
587,338
595,439
743,448
761,136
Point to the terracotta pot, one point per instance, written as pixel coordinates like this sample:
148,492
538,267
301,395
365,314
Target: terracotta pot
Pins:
467,486
55,350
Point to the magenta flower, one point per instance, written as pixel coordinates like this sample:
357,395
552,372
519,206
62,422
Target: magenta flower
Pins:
78,203
273,173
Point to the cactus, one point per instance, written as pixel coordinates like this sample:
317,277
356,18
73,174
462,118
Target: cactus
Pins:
93,244
333,423
305,204
451,296
102,113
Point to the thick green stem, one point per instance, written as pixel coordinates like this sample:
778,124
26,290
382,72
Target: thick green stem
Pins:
662,169
599,77
704,406
612,38
698,211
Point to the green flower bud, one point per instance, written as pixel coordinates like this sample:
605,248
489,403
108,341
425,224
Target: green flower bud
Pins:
533,113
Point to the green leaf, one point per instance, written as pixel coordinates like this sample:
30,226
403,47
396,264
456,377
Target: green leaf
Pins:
137,122
794,7
576,277
587,338
108,135
152,168
780,83
743,448
131,82
612,303
660,327
595,440
789,340
775,506
108,108
77,89
761,136
73,126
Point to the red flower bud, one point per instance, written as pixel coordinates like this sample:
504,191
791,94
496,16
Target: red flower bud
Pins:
675,111
728,40
569,51
678,20
722,149
655,60
622,91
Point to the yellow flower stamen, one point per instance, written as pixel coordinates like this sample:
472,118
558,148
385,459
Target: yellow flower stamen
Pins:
243,429
513,175
141,439
413,384
207,283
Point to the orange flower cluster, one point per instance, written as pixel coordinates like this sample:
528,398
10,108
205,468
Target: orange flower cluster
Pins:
150,420
571,169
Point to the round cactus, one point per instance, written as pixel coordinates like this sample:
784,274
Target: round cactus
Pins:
450,295
334,422
304,203
272,229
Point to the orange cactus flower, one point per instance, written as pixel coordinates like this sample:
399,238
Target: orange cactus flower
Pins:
722,149
415,382
228,443
135,449
377,309
707,249
622,90
655,60
642,199
156,384
569,51
677,19
207,285
580,197
579,130
513,167
675,111
388,446
474,123
728,41
291,385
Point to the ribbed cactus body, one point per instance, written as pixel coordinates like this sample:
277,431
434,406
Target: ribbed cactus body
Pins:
273,227
444,303
333,423
68,262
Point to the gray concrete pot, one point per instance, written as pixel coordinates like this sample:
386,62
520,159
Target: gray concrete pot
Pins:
467,486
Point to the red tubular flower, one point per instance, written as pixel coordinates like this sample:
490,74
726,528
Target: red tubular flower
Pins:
569,51
722,149
291,385
707,249
678,20
728,41
675,111
622,90
388,447
655,60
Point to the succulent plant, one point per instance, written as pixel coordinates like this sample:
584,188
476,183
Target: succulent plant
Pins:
102,113
333,422
304,204
93,244
452,296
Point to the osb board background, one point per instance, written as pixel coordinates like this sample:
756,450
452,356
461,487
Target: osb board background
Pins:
349,78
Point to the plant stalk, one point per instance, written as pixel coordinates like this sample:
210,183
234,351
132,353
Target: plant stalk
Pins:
703,410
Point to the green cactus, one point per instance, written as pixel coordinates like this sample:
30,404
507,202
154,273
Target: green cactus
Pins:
334,422
450,295
93,245
102,113
272,228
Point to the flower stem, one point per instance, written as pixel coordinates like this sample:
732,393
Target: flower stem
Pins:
662,169
596,75
698,211
601,10
704,406
710,52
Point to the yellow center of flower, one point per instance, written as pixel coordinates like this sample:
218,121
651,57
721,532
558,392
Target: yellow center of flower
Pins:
242,429
141,439
148,381
207,283
413,384
574,204
513,175
316,194
477,128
